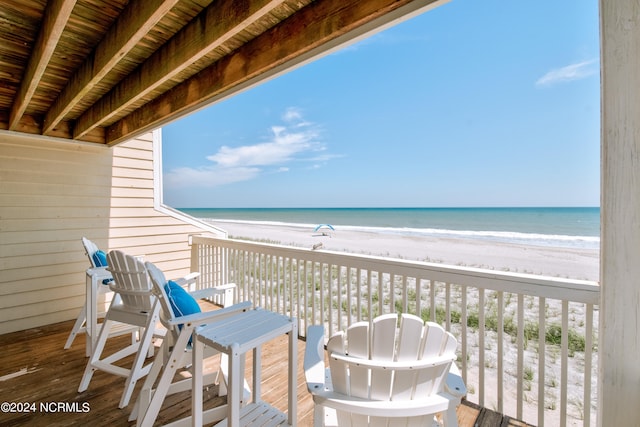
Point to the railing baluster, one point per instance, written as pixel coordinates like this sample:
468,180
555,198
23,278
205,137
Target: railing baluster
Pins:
204,267
225,265
263,282
464,322
370,314
246,277
297,308
204,264
392,293
349,296
381,292
277,283
314,319
330,292
255,297
270,271
520,363
432,299
405,303
542,327
289,286
323,268
262,289
481,346
564,376
305,286
359,295
338,302
447,306
500,361
419,281
588,355
218,266
276,280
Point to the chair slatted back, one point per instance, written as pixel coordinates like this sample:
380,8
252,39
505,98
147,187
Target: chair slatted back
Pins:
130,281
386,343
158,281
90,248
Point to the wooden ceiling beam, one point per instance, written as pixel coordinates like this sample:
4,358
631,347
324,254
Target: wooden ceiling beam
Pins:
132,25
210,29
55,19
318,28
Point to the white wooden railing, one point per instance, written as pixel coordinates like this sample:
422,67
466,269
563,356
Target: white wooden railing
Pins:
507,364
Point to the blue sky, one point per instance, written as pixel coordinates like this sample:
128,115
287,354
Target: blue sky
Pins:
492,103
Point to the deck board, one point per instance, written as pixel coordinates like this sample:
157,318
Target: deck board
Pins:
35,369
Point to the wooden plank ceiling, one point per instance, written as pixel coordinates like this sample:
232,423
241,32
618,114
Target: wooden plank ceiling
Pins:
105,71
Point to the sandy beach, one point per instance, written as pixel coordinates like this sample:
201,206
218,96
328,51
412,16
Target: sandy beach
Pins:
573,263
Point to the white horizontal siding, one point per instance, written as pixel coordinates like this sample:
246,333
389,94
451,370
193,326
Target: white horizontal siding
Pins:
51,194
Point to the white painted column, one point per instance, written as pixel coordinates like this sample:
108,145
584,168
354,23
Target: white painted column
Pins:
619,335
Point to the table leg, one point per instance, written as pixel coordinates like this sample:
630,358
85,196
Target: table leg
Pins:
234,387
257,374
196,383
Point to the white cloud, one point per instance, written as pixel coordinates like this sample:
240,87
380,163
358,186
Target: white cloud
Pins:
292,115
207,177
569,73
297,140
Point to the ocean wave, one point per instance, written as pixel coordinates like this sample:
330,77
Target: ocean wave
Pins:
537,239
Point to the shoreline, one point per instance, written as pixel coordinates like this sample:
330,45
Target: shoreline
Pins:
571,263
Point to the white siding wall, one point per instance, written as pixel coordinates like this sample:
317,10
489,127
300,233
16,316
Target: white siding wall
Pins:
54,192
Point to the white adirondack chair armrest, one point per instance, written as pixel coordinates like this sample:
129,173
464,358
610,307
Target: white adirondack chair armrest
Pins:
202,318
314,369
454,384
188,279
397,366
382,408
209,292
95,270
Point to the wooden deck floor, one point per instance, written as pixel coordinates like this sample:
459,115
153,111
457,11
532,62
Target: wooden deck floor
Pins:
35,370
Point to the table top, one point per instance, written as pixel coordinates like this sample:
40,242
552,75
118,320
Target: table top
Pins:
245,330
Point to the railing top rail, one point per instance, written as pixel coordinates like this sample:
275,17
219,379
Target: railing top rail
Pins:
582,291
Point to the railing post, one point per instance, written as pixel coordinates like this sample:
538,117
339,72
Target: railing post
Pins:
619,337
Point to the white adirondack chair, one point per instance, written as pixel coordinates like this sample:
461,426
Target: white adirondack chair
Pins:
384,374
176,348
80,325
133,304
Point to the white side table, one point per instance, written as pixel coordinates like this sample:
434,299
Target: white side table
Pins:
235,336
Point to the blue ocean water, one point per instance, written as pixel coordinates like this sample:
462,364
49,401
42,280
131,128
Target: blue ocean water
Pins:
564,227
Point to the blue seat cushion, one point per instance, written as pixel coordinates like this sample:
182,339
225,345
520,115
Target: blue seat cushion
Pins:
181,302
100,259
